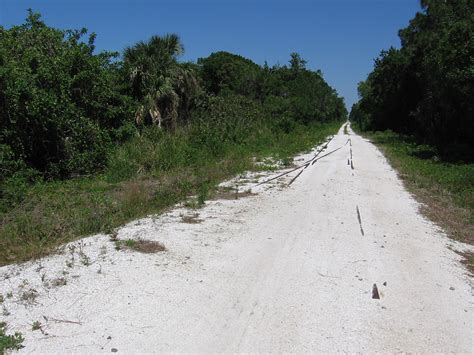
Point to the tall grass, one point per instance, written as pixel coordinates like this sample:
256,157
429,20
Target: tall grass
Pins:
146,175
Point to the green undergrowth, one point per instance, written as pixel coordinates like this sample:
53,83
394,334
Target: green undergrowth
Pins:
9,342
146,175
447,189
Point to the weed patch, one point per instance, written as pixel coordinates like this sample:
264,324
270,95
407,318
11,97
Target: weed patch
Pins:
29,296
58,282
468,260
231,194
143,246
36,326
191,219
9,342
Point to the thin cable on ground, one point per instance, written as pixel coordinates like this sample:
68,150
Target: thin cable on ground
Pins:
306,164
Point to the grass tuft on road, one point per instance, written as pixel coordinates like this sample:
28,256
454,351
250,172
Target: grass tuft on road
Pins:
9,342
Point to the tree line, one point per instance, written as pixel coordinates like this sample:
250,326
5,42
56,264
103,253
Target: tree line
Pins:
426,88
64,107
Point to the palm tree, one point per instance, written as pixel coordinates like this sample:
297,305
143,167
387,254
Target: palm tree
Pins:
158,81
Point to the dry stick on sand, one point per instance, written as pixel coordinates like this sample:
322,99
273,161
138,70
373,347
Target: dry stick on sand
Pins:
360,220
65,321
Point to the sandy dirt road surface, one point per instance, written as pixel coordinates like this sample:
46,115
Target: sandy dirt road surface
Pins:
290,269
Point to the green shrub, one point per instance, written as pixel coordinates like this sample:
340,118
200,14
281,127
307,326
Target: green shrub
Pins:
58,101
9,342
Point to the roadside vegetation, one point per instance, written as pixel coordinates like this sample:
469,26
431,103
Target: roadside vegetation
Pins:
89,141
446,187
425,88
9,341
417,105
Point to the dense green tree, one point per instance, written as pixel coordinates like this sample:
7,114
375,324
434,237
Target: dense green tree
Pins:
58,100
224,72
304,96
297,63
426,87
288,93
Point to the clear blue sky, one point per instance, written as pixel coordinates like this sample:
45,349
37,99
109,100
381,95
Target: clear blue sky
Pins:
340,37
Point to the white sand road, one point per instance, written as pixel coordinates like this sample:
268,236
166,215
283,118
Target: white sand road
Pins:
285,270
